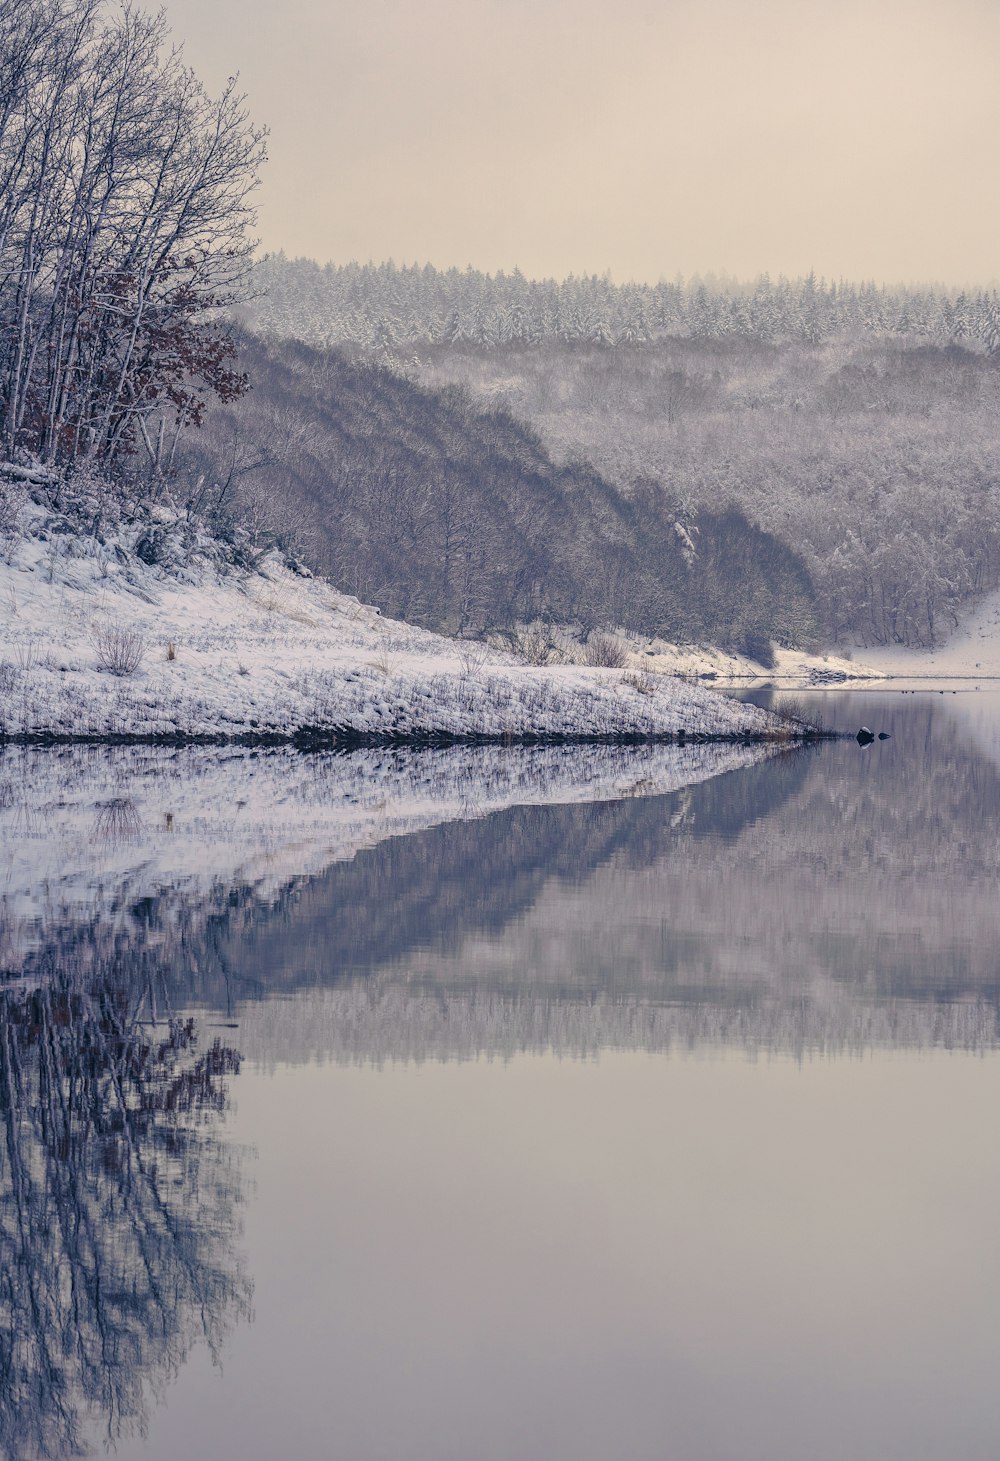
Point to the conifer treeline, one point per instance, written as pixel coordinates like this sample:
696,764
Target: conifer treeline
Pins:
383,306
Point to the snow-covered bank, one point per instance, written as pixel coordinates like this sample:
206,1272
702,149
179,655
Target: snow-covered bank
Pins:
271,652
972,652
791,666
86,832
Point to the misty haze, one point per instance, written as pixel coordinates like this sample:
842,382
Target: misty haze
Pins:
499,731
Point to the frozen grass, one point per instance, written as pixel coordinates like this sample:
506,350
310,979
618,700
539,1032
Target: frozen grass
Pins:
274,653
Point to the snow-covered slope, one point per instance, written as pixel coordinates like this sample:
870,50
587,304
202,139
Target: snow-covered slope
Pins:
274,652
973,651
790,665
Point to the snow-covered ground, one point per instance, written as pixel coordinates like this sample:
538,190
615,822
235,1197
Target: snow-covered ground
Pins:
973,651
791,665
85,832
273,651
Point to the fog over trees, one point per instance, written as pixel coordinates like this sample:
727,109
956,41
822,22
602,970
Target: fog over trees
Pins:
858,425
458,518
374,305
878,464
800,461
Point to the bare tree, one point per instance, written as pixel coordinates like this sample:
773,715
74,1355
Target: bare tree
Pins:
125,218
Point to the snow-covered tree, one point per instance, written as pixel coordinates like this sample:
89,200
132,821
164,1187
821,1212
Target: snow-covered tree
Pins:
125,210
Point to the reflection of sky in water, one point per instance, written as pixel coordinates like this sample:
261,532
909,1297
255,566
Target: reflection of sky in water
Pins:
457,1254
630,1257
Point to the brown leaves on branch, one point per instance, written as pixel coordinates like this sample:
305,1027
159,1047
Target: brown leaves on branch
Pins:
125,232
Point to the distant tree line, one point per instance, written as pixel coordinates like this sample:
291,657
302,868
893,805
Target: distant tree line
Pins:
878,462
857,425
458,518
391,308
125,205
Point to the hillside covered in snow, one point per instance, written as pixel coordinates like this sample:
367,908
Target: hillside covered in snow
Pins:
145,628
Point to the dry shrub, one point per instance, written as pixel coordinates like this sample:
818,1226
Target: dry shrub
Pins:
119,649
387,664
532,644
799,712
277,601
605,652
27,652
642,680
472,656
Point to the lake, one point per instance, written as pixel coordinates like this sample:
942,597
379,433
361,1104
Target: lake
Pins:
567,1103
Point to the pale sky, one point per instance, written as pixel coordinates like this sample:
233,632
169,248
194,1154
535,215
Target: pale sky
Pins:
859,138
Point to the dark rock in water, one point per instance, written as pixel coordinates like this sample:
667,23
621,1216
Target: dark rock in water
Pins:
865,736
884,736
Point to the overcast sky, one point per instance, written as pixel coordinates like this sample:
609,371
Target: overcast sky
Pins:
859,138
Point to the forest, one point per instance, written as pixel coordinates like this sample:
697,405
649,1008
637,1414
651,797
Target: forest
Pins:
379,306
858,426
456,517
795,461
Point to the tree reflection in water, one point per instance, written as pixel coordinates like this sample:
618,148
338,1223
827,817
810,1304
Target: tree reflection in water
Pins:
119,1209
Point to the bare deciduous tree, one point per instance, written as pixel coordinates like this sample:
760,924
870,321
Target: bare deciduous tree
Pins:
125,217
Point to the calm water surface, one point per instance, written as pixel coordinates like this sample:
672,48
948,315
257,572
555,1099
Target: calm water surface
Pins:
656,1127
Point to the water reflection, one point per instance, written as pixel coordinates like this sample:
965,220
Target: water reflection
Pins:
833,898
413,907
119,1204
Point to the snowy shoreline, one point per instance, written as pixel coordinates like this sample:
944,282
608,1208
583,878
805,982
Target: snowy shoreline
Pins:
347,739
99,645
